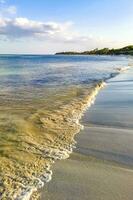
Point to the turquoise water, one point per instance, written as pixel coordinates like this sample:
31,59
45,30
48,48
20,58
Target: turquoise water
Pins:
41,101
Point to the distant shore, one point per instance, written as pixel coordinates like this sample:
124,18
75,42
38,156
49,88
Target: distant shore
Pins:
128,50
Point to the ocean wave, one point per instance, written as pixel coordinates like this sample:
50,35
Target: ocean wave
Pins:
49,136
70,114
118,71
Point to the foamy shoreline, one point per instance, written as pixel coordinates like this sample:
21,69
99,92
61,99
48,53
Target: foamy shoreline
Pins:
59,155
75,118
45,136
101,165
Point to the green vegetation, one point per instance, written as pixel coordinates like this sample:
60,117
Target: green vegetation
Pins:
128,50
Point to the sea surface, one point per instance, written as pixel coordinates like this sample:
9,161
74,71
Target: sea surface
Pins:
42,99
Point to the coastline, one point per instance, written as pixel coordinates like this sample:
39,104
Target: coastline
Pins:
38,137
65,123
102,164
128,50
63,153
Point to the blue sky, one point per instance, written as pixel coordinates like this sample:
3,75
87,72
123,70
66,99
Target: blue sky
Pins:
39,26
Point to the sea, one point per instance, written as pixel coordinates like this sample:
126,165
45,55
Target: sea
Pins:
42,99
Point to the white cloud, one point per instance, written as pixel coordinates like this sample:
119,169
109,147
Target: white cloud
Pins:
23,28
53,34
46,35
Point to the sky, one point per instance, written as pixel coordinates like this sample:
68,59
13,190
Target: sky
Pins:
49,26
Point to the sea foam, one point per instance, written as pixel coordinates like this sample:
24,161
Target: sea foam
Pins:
56,129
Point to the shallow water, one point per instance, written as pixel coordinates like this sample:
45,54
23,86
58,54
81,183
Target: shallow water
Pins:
101,166
41,101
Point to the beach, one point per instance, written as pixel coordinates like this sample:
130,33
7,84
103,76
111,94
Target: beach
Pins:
101,166
66,100
44,104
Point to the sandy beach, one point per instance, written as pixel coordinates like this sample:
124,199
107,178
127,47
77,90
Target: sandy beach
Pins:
101,167
66,100
42,101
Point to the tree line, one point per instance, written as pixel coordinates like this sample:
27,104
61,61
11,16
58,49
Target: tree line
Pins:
128,50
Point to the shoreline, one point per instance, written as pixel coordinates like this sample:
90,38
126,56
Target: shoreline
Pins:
75,119
60,124
40,121
49,191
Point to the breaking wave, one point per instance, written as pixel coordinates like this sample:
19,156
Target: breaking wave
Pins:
46,136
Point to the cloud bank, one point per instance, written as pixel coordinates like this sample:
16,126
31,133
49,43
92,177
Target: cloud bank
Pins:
22,28
48,36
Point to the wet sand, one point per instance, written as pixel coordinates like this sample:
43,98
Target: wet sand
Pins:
101,167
